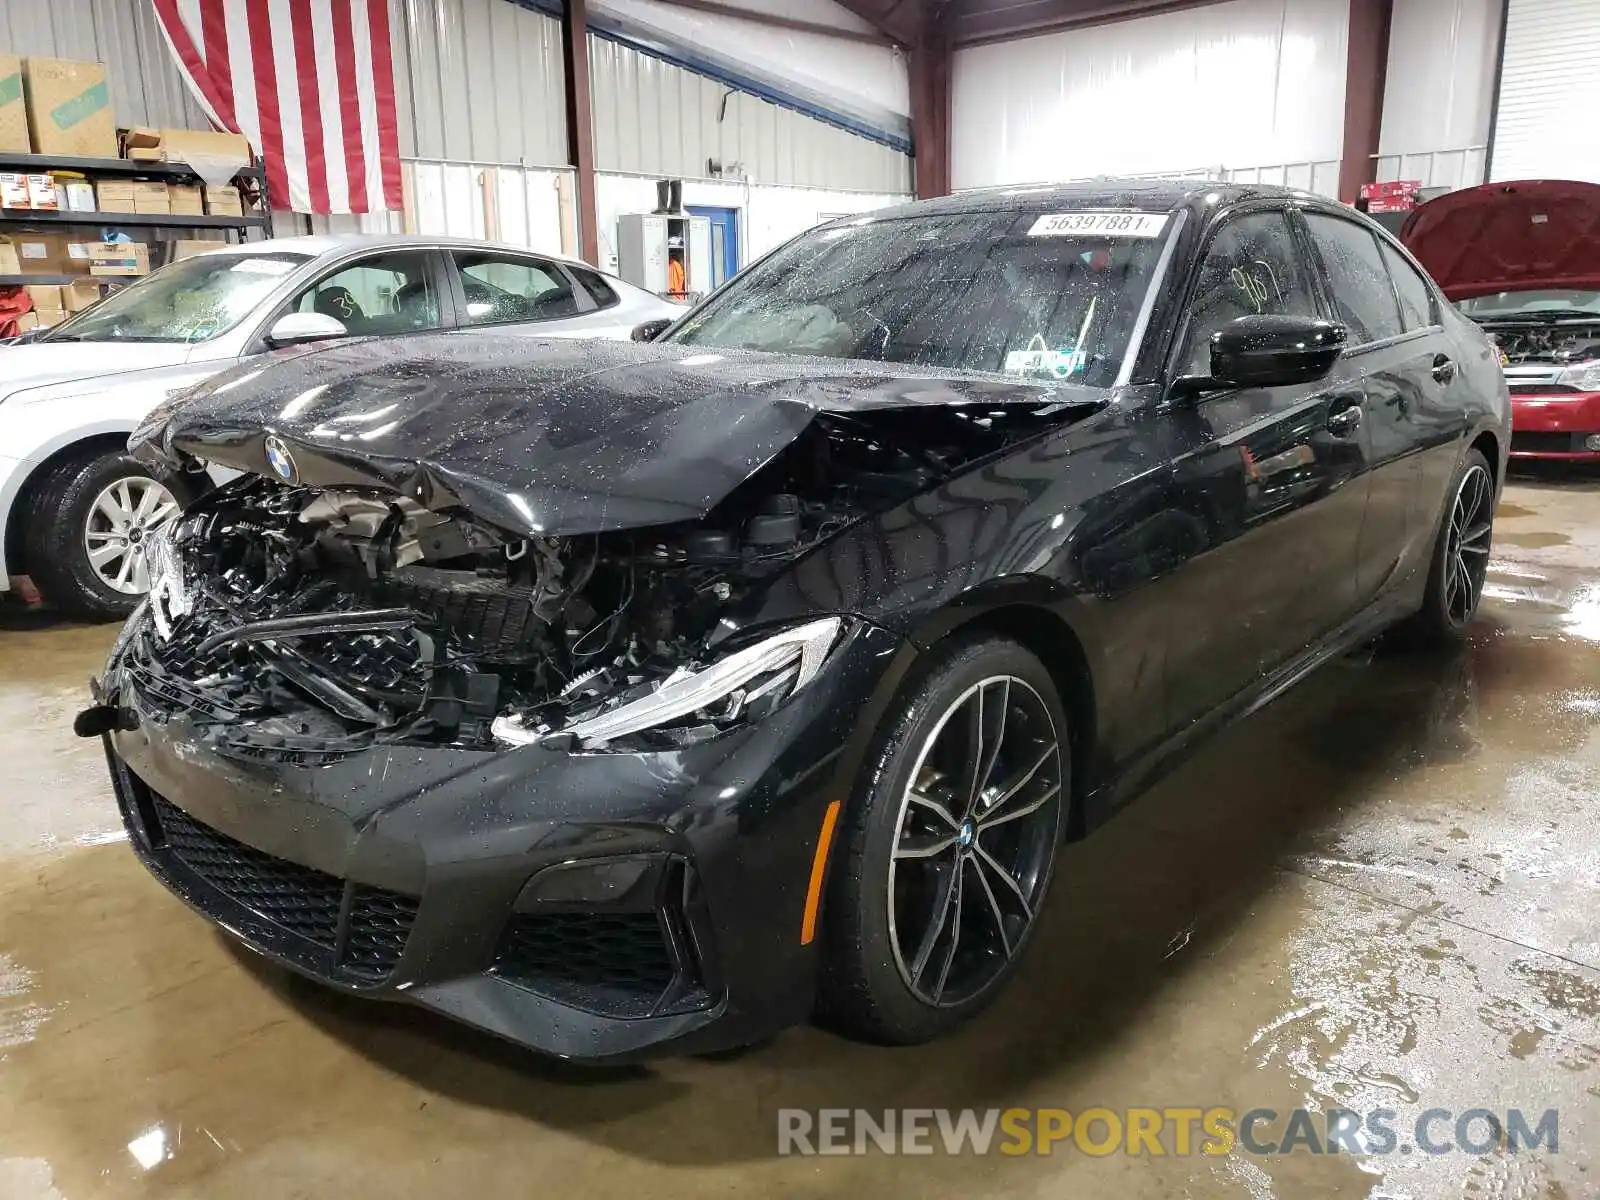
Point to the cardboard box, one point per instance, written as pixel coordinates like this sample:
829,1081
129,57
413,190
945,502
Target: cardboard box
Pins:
77,195
224,202
42,193
118,258
27,322
48,318
13,189
1390,188
186,200
75,297
46,295
114,196
151,197
189,247
10,264
13,107
50,254
69,108
211,154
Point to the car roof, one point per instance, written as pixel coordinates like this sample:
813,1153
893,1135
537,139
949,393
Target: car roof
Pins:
1159,195
319,244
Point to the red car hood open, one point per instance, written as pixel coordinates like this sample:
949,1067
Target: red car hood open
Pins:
1509,237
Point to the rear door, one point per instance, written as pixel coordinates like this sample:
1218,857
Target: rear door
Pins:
1272,478
1399,359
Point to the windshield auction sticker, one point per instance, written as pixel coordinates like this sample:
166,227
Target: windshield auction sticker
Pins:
1100,223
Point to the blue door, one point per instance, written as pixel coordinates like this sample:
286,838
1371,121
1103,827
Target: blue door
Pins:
724,241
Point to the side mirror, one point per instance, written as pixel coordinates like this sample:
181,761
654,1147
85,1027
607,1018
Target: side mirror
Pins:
650,330
1267,350
293,329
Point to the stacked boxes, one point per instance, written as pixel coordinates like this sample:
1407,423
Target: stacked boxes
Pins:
69,108
14,135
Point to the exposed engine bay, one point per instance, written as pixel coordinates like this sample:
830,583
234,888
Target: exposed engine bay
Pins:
302,625
1562,343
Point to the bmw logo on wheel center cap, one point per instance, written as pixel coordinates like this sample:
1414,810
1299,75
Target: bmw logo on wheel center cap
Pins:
279,458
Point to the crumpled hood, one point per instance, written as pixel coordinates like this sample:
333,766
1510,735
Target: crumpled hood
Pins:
1509,237
543,436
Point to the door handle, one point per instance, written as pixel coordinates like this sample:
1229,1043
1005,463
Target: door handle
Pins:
1343,422
1443,369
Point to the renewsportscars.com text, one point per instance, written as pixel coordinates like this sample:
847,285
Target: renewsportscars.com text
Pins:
1175,1132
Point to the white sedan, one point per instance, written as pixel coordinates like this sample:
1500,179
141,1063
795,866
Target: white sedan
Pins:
75,510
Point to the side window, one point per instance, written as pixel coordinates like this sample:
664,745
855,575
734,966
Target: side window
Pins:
1363,298
500,288
1416,297
1252,265
385,294
601,292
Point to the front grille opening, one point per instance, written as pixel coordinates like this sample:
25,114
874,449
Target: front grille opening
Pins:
363,929
617,964
1546,443
299,899
380,923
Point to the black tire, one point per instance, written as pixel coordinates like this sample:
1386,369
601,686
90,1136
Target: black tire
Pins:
866,990
56,514
1446,610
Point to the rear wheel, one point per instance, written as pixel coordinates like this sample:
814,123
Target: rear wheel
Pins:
947,854
1460,556
88,520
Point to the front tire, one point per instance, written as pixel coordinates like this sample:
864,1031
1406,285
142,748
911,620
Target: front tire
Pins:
946,853
87,520
1460,561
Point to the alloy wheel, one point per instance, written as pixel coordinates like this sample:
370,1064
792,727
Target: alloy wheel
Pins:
1467,546
121,520
975,838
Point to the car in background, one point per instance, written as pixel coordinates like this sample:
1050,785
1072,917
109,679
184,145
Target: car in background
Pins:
1523,261
76,511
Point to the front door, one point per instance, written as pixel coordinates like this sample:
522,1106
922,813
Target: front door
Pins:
1272,480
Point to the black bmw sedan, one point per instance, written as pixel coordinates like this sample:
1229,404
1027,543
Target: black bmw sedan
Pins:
631,698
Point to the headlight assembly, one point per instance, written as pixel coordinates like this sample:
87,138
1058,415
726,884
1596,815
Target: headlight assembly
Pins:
768,671
1583,376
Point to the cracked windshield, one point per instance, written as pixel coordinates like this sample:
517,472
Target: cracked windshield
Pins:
1036,297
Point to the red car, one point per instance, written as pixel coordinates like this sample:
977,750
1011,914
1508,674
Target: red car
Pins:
1523,261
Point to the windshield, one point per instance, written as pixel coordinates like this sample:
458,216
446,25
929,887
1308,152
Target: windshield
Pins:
190,301
1554,302
1040,297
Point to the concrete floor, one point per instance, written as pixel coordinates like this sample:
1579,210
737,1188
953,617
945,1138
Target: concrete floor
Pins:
1384,891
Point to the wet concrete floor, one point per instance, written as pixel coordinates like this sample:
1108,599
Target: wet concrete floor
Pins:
1383,892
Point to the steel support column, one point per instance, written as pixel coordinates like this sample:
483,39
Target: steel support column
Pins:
932,59
580,126
1367,61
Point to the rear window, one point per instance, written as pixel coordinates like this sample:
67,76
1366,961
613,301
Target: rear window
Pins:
603,293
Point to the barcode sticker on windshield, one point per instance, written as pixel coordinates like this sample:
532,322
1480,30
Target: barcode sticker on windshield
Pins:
1104,223
262,266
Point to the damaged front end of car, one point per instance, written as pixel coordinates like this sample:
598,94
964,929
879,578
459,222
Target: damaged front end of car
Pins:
301,624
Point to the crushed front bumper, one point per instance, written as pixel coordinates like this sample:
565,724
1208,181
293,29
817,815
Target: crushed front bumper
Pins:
591,906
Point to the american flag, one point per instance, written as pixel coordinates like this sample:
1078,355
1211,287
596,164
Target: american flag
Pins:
310,83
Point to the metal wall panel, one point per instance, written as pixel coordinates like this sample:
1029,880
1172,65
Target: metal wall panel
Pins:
655,118
479,80
145,86
1438,90
1241,82
1549,91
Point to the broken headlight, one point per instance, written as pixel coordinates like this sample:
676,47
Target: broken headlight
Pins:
767,672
